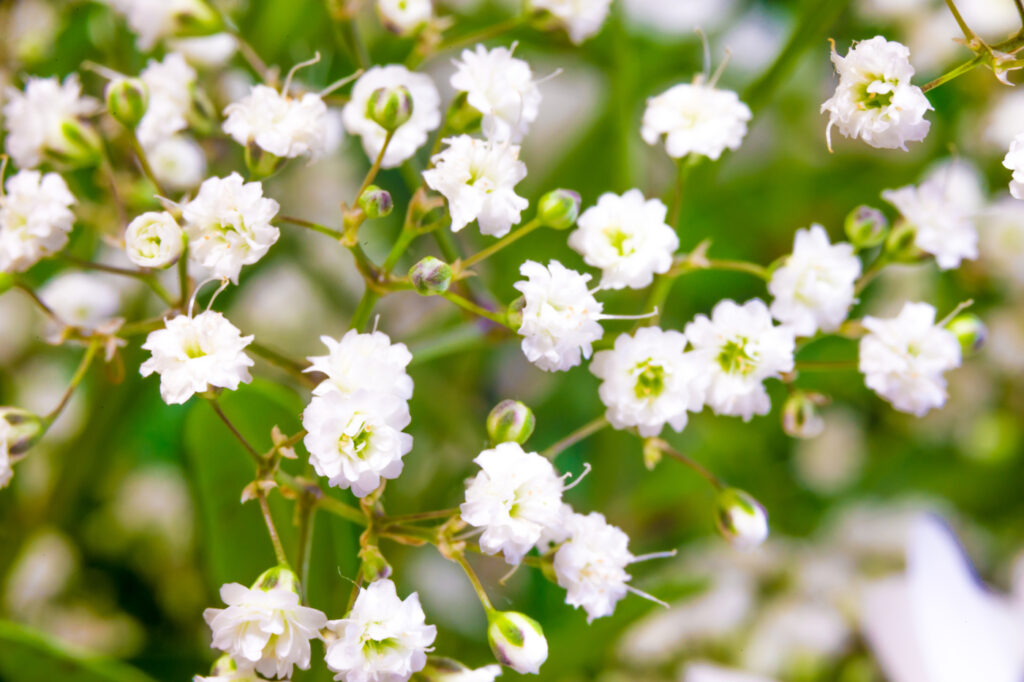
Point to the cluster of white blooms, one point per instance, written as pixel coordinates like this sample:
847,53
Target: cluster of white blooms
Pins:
903,358
153,20
383,638
404,16
35,218
814,288
154,240
1014,160
169,84
942,225
282,125
36,118
581,18
875,99
627,238
696,118
501,88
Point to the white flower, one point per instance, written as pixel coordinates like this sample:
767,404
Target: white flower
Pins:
177,162
591,564
155,19
627,238
383,639
742,348
582,18
875,99
35,118
226,670
228,225
408,137
1002,239
282,125
517,641
560,316
478,179
514,498
265,627
154,240
501,88
193,353
1015,162
706,672
170,85
210,51
942,225
648,381
903,358
447,670
356,440
696,118
363,362
35,219
813,288
82,300
404,16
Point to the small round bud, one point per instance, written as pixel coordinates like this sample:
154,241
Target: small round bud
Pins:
374,566
800,418
21,429
224,668
390,107
866,227
514,314
510,421
376,202
154,240
741,519
127,100
517,641
559,209
431,276
278,576
439,669
78,145
970,331
899,245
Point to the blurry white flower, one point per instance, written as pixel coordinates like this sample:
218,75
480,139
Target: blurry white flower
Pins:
1014,160
170,84
813,288
740,518
35,120
648,381
228,225
283,125
35,218
1002,239
560,316
152,20
408,137
514,497
478,179
696,118
517,641
363,362
193,353
591,564
627,238
155,500
706,672
210,51
942,226
792,631
31,27
582,18
265,626
875,99
154,240
742,348
501,88
678,17
40,571
903,358
404,16
1004,120
177,162
831,461
82,300
447,670
961,181
383,638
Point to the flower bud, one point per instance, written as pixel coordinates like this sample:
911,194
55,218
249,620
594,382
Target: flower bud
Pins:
195,18
127,100
78,145
514,314
462,116
223,668
21,429
970,331
376,202
899,245
431,276
866,227
741,519
559,209
439,669
389,107
375,566
154,240
800,418
517,641
278,576
510,421
261,163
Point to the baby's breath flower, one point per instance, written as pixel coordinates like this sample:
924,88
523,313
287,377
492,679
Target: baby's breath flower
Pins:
404,16
154,240
501,88
285,126
35,219
942,225
1014,160
169,83
177,162
696,118
44,122
155,19
591,564
363,362
82,300
581,18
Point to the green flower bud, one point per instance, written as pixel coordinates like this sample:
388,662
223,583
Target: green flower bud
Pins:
376,202
224,667
375,566
899,245
390,107
970,331
196,18
866,227
261,163
514,314
559,209
431,276
21,431
275,577
79,145
517,641
741,519
800,418
127,100
510,421
462,117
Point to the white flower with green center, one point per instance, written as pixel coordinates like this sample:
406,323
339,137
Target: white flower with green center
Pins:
283,125
82,300
363,362
404,16
903,358
516,496
478,178
942,222
627,238
356,440
154,240
383,638
191,354
501,88
35,219
875,99
38,119
696,118
741,348
649,380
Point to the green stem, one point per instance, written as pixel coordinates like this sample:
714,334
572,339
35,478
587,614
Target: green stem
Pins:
307,515
146,277
683,167
257,457
371,175
417,56
667,449
502,243
739,266
588,429
419,516
76,379
477,586
183,283
147,170
466,304
968,33
38,301
292,367
361,317
275,539
405,238
969,65
316,227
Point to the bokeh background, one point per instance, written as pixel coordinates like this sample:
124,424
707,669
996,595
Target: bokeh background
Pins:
122,524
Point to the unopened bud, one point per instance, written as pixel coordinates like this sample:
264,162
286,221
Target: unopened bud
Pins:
195,18
374,566
78,145
127,100
21,431
510,421
440,669
514,314
517,641
376,202
261,163
431,276
224,668
800,418
462,117
559,209
390,107
741,519
866,227
970,331
277,577
900,246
